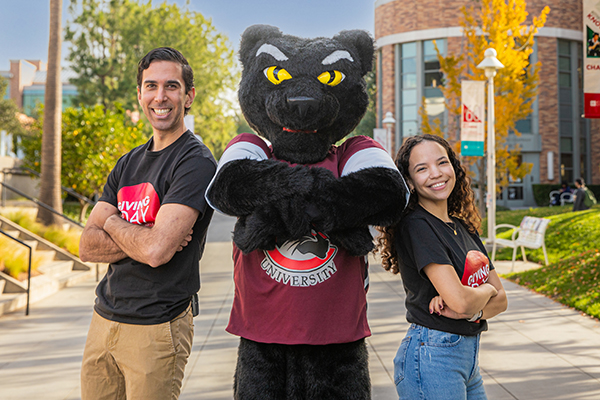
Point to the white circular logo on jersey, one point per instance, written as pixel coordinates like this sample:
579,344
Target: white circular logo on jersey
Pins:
304,262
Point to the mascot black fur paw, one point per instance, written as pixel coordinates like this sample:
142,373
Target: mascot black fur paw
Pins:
304,206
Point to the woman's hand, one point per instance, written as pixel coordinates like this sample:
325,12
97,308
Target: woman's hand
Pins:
437,306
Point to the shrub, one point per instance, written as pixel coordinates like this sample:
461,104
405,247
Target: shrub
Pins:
66,239
15,258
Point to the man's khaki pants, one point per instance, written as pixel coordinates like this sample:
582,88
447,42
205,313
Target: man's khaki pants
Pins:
125,361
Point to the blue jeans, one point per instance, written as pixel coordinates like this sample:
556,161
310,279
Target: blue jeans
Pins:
436,365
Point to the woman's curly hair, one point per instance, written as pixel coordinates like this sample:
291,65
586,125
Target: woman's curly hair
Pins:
461,202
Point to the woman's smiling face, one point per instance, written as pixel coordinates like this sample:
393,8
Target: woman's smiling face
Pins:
431,173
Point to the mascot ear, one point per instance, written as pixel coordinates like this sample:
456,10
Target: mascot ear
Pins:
252,35
362,42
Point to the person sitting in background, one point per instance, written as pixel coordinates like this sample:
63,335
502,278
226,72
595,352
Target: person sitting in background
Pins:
564,188
584,198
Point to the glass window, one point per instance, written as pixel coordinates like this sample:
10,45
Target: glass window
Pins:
432,64
409,49
409,97
409,112
564,64
433,79
409,81
429,47
409,128
515,192
564,96
566,144
566,113
566,167
524,125
409,65
564,79
564,47
566,128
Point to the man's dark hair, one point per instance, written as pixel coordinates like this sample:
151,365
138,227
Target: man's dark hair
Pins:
579,181
167,54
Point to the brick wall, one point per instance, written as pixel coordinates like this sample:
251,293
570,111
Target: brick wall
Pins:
595,151
548,106
405,16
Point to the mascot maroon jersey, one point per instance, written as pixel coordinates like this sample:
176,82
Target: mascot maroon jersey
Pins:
307,291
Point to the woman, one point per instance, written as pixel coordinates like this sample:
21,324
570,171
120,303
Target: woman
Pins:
451,286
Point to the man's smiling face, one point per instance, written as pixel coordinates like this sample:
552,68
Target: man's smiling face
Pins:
162,97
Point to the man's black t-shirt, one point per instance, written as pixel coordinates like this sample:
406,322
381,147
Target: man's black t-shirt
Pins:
141,182
421,239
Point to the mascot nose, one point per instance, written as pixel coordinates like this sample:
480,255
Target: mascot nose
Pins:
303,104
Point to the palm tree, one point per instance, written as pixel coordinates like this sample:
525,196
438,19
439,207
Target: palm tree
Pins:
51,138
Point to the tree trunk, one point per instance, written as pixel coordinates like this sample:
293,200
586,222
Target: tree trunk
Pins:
50,191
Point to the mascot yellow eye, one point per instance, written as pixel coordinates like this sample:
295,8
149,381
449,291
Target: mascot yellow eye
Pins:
331,78
276,75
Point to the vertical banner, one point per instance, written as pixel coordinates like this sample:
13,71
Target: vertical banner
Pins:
472,132
382,136
591,58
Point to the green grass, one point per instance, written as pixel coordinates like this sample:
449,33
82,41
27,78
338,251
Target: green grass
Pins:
572,243
574,281
568,234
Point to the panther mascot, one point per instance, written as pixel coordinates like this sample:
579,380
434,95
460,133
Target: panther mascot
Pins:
304,206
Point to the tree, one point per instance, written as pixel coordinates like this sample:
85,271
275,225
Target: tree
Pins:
501,25
108,38
369,121
8,113
93,140
50,191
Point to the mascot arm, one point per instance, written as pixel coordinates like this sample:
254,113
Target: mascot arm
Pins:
372,196
363,197
243,186
348,205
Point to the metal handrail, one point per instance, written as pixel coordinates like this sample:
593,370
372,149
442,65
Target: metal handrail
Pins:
64,188
39,203
28,267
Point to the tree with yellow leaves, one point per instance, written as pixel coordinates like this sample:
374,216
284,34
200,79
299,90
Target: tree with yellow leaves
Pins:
504,26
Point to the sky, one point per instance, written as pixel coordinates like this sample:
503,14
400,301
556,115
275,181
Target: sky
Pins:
24,24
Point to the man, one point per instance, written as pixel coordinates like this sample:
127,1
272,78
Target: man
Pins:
150,225
580,196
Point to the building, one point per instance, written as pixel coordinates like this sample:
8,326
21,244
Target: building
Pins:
27,84
559,143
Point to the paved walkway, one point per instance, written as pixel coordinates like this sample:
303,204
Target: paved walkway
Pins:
538,349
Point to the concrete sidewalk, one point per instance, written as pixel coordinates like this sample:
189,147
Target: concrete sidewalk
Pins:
538,349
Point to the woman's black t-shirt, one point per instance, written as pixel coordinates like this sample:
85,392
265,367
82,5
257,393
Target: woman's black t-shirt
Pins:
421,239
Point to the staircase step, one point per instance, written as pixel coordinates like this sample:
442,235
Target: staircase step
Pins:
11,232
10,302
56,268
45,256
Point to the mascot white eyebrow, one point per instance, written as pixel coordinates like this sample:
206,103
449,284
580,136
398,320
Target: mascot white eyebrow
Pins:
304,206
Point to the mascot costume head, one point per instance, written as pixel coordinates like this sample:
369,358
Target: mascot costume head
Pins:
304,207
294,92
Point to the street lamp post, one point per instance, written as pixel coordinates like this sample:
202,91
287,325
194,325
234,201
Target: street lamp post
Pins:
388,122
491,64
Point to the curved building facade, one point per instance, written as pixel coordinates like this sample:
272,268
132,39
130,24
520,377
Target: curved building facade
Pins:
556,139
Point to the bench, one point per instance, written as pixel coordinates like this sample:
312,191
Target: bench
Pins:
531,234
563,198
